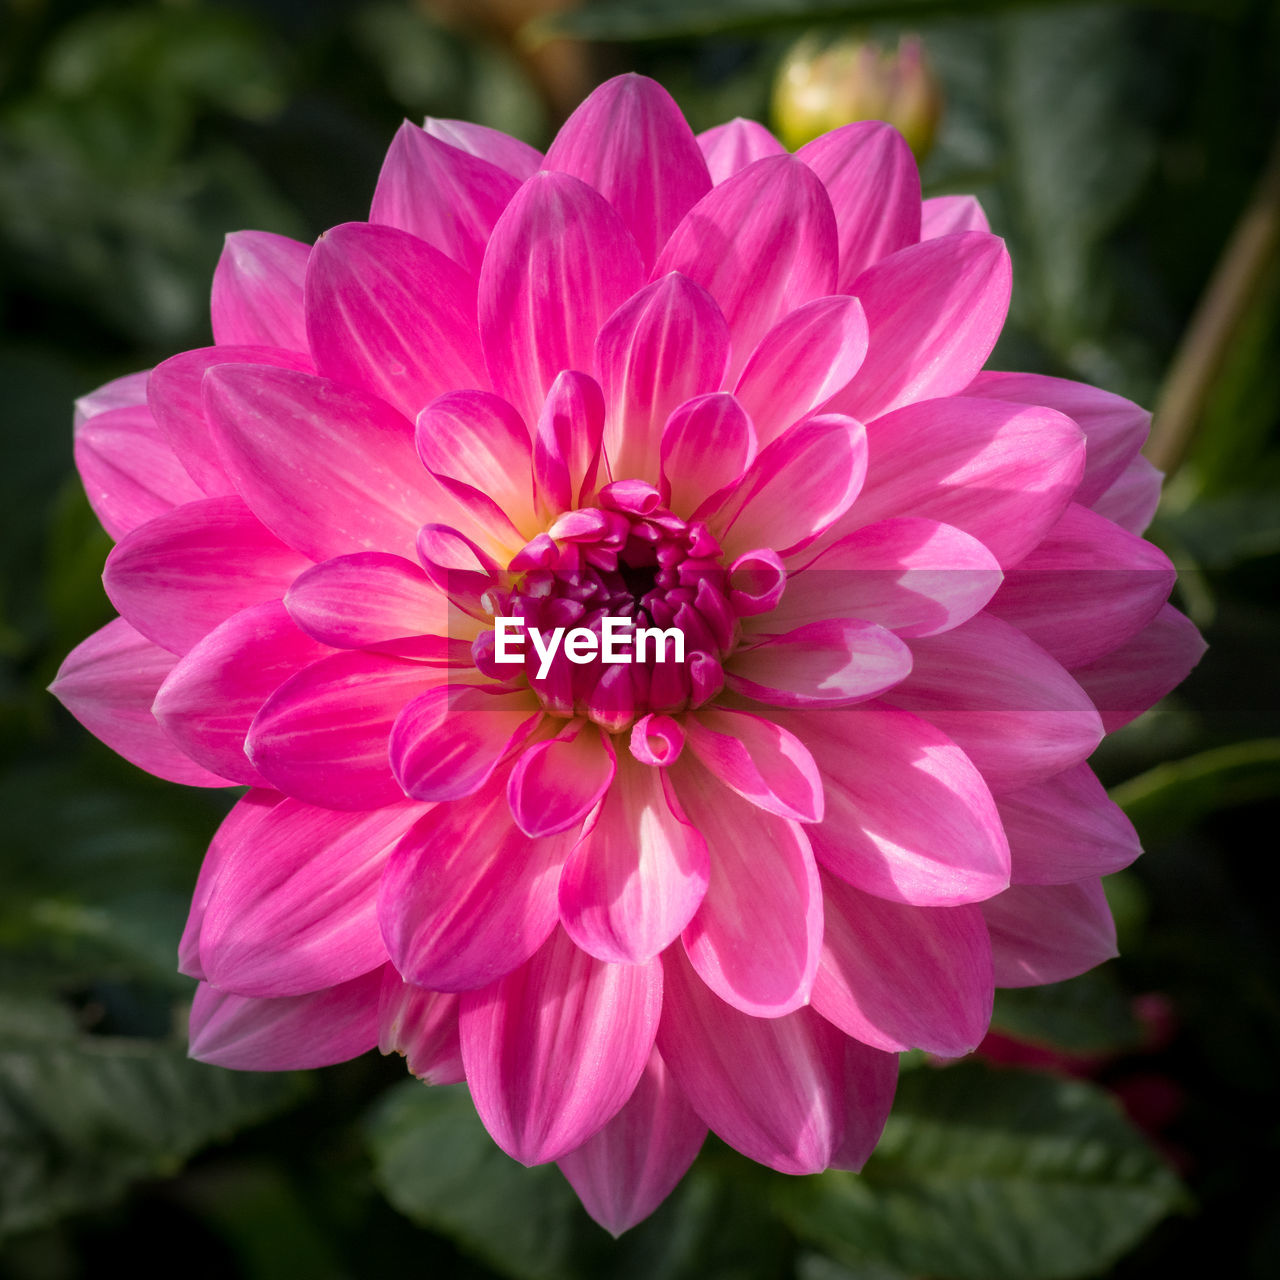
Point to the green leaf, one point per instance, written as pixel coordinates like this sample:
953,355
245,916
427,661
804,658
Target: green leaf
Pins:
82,1117
1168,799
986,1174
1088,1014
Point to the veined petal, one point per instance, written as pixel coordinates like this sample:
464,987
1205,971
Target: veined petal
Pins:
292,1033
761,761
322,736
809,355
756,938
871,177
392,316
945,215
830,663
182,574
294,907
637,874
209,700
625,1170
1125,682
257,291
328,469
916,577
125,392
1011,707
1001,473
518,158
1132,499
555,1048
129,470
1114,428
1049,932
559,263
1066,828
792,1093
174,398
441,193
761,244
908,816
467,896
556,783
902,977
662,347
448,740
631,143
566,446
1085,589
423,1026
732,146
934,311
108,682
707,445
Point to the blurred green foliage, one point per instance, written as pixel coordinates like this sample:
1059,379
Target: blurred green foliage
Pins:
1115,146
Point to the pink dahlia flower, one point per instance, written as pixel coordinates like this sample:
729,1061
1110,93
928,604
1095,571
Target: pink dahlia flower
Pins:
649,381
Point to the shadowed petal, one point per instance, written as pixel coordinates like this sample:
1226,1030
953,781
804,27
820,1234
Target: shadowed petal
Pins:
945,215
1132,499
518,158
1049,932
423,1026
707,445
730,147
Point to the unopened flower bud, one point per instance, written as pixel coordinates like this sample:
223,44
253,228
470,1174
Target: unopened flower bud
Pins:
818,89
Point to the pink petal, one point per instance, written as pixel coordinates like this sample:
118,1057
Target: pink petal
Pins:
294,907
1000,473
791,1093
637,874
707,445
373,600
1012,709
871,177
209,700
185,572
242,812
756,938
1135,676
559,263
293,1033
934,311
477,445
566,447
422,1026
1131,501
326,468
1049,932
761,244
630,142
174,397
758,759
908,816
467,896
730,147
257,291
125,392
625,1170
555,784
916,577
830,663
662,347
554,1049
945,215
797,487
108,682
129,470
903,977
518,158
448,741
322,736
1114,428
1087,588
1066,828
809,355
392,316
441,194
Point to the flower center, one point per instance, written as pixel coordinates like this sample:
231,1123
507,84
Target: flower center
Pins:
618,610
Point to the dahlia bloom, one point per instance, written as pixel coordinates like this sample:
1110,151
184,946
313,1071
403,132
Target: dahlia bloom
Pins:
690,384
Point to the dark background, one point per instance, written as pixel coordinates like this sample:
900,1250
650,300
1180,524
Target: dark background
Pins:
1124,151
